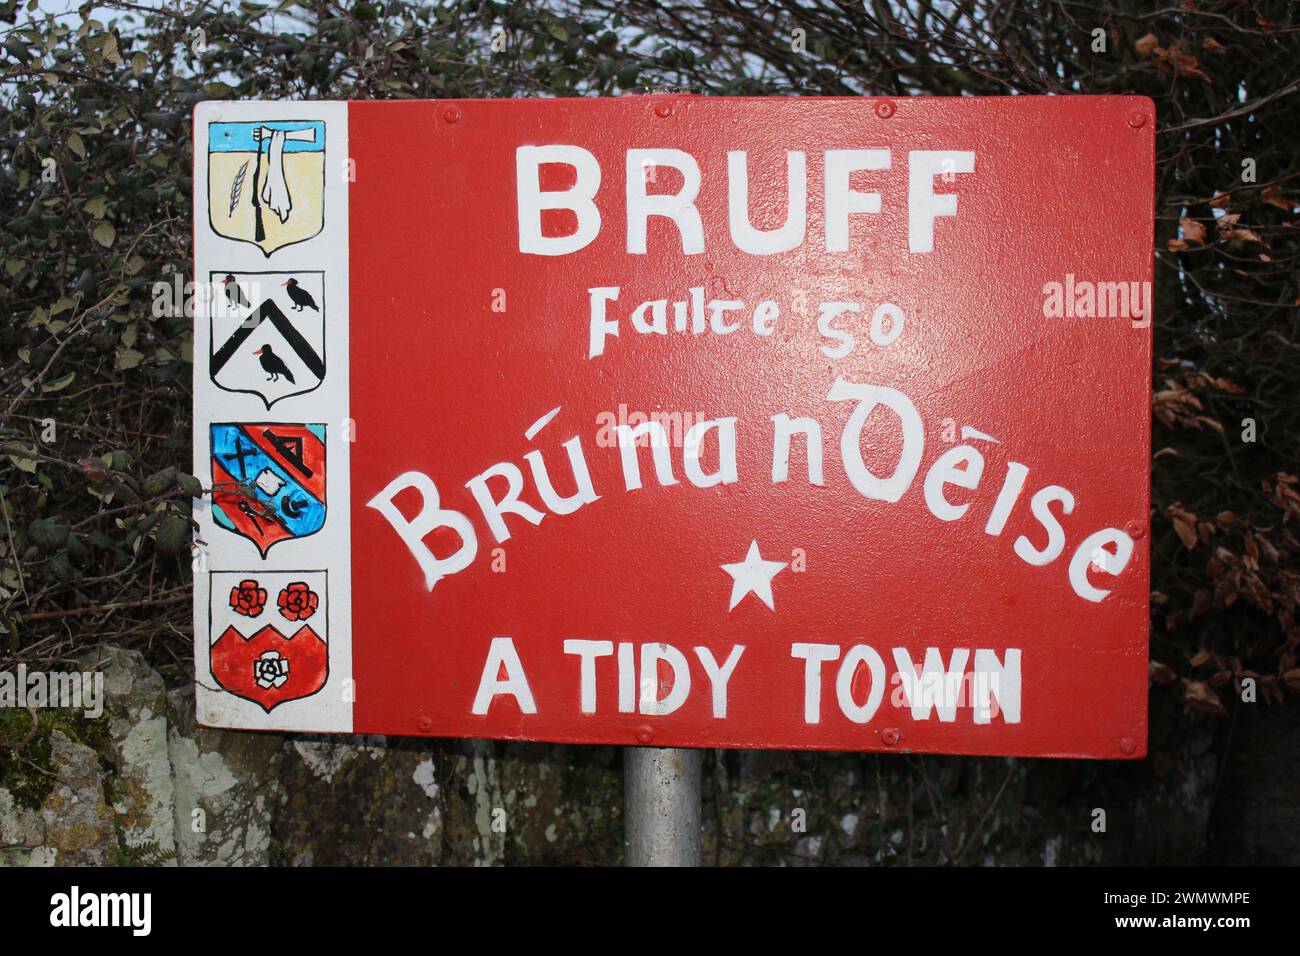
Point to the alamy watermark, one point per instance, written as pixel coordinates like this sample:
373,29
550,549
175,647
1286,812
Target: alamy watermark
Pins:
1085,299
73,690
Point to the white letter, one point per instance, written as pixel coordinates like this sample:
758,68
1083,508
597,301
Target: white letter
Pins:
923,204
600,328
814,655
936,688
588,651
431,516
142,913
944,471
783,427
1085,555
502,652
694,444
841,200
627,437
679,207
531,199
827,312
651,655
626,678
1007,497
719,676
509,504
844,683
743,234
585,493
868,396
1040,505
993,679
59,913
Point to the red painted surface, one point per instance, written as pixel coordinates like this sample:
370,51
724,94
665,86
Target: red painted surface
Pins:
443,384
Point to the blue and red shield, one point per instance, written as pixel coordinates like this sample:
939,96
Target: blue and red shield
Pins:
268,481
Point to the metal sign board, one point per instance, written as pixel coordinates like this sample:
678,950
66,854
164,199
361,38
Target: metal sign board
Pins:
671,420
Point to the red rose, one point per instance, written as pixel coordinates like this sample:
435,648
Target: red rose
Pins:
248,599
297,602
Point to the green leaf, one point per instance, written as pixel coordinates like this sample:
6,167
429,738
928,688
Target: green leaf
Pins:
160,481
105,234
189,484
49,533
173,534
59,384
128,359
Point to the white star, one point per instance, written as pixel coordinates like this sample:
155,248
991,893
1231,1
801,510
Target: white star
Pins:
753,574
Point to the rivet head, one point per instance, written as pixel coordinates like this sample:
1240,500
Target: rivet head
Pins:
664,110
644,734
891,736
1137,118
451,114
1127,744
885,110
425,724
1135,529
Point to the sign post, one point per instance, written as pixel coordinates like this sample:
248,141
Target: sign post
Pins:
677,422
661,806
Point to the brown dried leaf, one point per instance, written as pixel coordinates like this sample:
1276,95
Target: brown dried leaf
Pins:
1273,196
1184,523
1226,222
1192,230
1197,695
1144,45
1160,673
1228,385
1186,65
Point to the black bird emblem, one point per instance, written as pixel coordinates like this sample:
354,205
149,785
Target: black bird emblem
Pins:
301,297
272,364
234,294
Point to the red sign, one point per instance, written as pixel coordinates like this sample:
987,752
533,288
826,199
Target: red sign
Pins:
796,423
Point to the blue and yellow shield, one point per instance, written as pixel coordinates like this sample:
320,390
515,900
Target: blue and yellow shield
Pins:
266,181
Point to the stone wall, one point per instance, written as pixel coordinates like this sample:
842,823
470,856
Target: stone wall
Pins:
143,785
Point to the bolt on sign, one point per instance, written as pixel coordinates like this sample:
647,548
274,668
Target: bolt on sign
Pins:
792,423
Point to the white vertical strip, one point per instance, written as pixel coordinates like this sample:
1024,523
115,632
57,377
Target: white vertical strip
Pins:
223,553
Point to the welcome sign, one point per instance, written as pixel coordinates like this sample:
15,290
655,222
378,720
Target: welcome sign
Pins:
799,423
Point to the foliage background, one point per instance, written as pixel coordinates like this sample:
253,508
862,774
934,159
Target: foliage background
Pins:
95,159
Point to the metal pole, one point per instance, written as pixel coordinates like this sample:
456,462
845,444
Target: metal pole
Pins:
661,806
